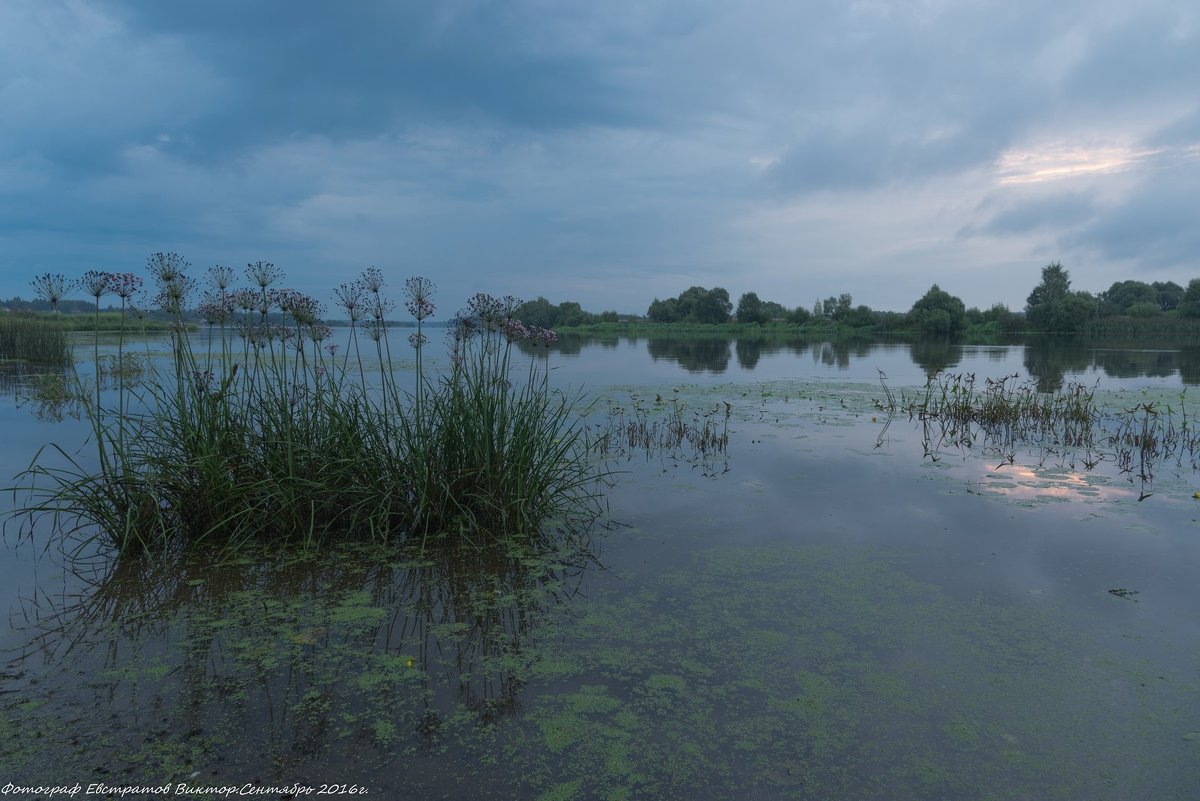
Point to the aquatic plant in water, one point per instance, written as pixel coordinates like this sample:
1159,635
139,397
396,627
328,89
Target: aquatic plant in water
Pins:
1069,424
33,339
667,429
279,439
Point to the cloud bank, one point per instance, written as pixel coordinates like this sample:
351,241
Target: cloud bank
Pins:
608,153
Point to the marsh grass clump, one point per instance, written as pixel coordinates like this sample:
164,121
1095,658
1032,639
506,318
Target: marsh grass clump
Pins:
268,434
1070,425
1002,413
495,451
664,428
1150,434
37,340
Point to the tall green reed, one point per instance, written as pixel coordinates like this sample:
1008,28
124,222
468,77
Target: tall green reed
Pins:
278,440
33,339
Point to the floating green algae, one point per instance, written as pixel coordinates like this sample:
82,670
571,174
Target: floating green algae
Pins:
825,672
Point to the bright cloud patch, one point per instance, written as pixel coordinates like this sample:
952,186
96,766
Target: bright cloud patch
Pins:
1058,161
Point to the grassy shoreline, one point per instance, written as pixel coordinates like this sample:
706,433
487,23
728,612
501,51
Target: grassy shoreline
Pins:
105,321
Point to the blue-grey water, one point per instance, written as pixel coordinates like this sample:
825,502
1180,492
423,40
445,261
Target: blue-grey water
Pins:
833,608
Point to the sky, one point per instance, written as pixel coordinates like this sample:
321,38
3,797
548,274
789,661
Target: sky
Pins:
607,152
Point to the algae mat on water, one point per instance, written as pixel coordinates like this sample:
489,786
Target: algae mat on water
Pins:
809,672
818,672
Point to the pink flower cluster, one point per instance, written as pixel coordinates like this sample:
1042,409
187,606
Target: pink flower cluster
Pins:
516,331
419,291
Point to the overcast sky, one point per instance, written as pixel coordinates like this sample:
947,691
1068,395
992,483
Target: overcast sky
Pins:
608,152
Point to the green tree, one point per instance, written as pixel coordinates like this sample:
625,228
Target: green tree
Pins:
1189,304
938,312
714,307
1119,297
1143,310
694,305
835,308
750,309
1053,307
1009,322
571,313
664,311
688,301
538,312
845,305
860,316
1169,294
774,311
799,315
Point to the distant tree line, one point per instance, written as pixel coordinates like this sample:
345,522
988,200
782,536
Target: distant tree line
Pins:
545,314
937,312
17,303
1052,306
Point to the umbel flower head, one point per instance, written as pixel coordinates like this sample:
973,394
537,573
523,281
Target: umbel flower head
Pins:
220,277
172,295
96,283
263,273
372,280
124,285
420,293
166,267
350,298
216,309
51,287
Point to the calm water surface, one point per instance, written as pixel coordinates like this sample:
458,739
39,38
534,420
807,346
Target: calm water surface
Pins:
828,610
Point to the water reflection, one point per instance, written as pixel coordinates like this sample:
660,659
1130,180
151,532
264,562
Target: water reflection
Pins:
50,394
693,354
936,355
1050,360
1067,429
358,647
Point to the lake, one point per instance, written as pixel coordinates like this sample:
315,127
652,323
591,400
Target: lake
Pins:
841,604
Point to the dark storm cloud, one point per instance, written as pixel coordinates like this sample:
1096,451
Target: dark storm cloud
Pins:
350,70
1152,52
904,97
630,147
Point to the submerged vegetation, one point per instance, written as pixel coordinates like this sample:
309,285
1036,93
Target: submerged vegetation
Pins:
762,671
268,433
666,429
1007,414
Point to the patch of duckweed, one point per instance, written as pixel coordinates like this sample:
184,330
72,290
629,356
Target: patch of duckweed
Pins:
785,672
277,663
566,791
385,731
877,686
357,610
